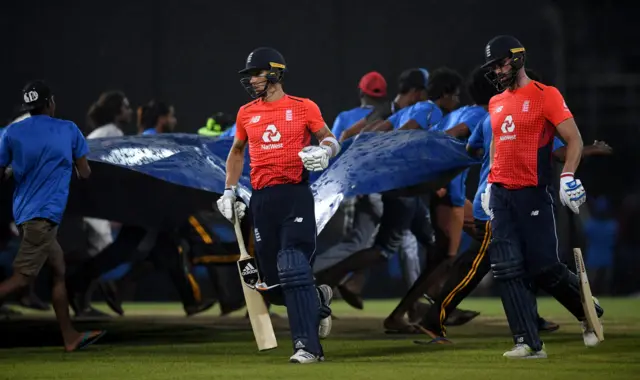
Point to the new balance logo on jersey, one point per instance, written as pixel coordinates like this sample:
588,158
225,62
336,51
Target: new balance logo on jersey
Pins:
508,126
254,119
535,212
499,109
297,220
249,269
270,136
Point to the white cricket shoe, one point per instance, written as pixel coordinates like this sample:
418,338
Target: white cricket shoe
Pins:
325,295
304,357
523,351
588,335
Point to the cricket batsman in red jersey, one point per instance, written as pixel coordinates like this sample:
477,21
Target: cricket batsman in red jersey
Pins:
524,119
278,127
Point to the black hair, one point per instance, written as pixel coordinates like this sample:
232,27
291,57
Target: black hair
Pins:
105,110
149,114
480,89
443,81
412,79
40,109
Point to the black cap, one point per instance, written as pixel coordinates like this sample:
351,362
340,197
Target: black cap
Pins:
264,58
413,78
34,95
501,47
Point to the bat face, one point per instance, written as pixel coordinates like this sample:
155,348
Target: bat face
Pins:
249,271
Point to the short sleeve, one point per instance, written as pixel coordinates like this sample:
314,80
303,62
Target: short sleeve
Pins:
475,120
80,147
425,115
555,108
476,140
315,122
5,150
338,125
435,117
394,120
557,143
241,132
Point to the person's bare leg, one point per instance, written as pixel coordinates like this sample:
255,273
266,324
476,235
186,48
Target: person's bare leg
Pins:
454,226
13,284
60,301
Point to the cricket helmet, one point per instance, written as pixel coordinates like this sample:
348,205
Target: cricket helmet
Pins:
261,59
496,51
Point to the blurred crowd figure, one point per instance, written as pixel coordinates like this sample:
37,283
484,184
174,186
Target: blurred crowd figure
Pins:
106,259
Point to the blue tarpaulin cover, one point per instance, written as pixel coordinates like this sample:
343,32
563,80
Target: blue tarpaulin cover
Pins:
171,171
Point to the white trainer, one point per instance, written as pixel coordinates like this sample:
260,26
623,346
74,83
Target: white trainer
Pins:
523,351
325,293
304,357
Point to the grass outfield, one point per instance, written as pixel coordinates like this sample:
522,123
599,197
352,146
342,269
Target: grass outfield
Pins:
155,341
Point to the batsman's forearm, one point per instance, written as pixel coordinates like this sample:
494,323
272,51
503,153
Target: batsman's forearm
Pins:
235,163
573,156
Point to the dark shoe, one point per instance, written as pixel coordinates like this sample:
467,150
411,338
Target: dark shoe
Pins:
33,302
459,317
199,308
228,308
547,326
91,313
352,299
351,289
111,296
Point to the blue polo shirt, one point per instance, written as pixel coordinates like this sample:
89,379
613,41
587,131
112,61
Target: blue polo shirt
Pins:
41,151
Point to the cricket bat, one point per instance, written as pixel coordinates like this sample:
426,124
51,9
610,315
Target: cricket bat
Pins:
585,295
256,308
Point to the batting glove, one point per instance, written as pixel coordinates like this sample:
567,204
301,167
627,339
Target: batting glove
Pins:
227,203
315,158
572,193
484,199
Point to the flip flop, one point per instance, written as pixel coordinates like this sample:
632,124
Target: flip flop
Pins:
436,340
88,339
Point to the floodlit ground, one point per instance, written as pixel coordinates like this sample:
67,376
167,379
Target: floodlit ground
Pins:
155,341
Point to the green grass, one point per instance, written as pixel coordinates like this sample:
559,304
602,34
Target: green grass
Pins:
155,341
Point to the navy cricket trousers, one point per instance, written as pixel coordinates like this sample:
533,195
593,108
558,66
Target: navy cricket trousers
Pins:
283,218
526,218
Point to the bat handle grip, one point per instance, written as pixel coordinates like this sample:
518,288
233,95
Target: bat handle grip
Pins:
239,237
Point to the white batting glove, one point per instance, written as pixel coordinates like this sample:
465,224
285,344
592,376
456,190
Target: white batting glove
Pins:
572,193
315,158
484,199
227,204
